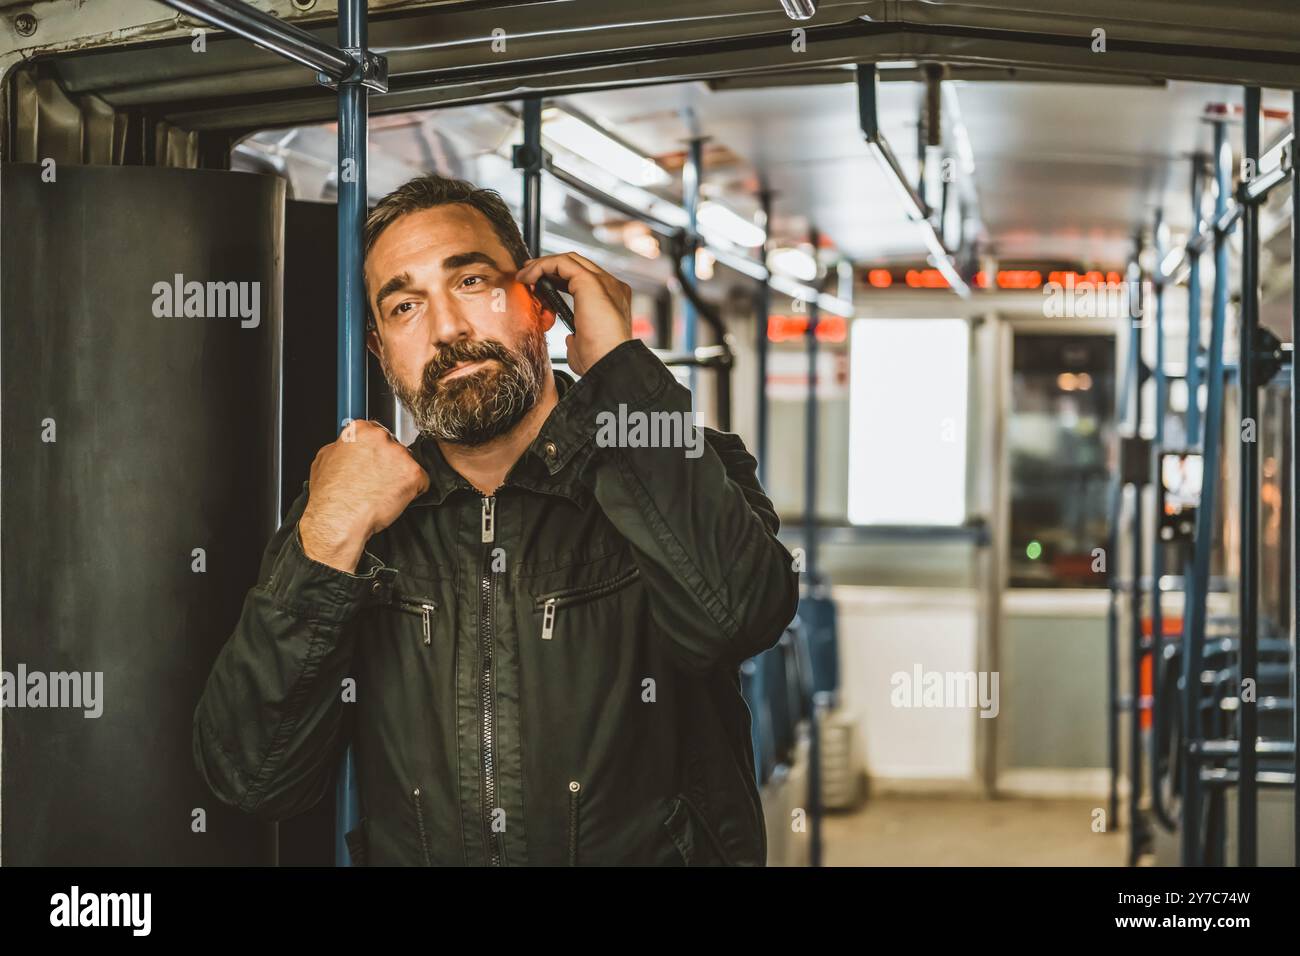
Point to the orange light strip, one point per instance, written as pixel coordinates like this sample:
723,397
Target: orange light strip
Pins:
1010,279
786,328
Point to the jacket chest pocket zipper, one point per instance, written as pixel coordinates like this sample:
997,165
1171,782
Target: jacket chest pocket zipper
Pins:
422,607
549,604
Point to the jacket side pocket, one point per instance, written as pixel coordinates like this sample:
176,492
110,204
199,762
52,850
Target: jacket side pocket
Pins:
357,844
575,807
691,834
417,799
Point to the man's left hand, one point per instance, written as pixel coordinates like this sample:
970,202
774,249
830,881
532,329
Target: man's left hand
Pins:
602,305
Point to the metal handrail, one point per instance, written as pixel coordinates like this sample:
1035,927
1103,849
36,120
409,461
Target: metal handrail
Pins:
286,39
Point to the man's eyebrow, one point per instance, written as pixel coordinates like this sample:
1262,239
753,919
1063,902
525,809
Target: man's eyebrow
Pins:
403,279
469,259
396,284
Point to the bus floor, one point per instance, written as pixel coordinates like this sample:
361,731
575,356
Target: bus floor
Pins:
898,830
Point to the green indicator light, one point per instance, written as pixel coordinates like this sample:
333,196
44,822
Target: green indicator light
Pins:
1034,550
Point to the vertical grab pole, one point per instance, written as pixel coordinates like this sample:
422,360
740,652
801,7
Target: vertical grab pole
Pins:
810,549
1115,506
763,311
1295,462
353,101
1247,716
810,437
1136,830
1157,545
1204,541
528,158
691,172
1194,314
352,206
1193,379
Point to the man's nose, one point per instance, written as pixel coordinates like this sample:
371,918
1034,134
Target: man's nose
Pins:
450,322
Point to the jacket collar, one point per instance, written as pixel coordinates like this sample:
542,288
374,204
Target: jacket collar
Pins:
530,471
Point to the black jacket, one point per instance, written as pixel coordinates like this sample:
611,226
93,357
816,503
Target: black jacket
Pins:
549,675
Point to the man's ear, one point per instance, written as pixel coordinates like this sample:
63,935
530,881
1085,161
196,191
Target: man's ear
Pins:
548,317
372,341
544,315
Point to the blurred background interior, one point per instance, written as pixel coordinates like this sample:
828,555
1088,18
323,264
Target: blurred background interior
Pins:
932,347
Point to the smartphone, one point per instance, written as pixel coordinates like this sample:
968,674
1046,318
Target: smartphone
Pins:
551,298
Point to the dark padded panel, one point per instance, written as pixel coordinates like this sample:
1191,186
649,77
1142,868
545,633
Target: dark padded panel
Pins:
167,440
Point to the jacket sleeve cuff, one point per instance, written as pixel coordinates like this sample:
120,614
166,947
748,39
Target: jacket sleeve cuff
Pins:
311,590
629,375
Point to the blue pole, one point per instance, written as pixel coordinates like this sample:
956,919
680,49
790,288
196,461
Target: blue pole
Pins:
1247,715
810,441
1158,691
1161,383
529,159
1194,315
1114,508
352,206
1295,473
763,311
691,172
810,548
1139,647
1196,593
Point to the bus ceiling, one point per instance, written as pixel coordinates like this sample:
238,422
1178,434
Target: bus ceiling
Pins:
137,58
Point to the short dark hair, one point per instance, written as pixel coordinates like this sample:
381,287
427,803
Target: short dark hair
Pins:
426,192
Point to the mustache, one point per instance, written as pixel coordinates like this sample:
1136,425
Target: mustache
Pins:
464,350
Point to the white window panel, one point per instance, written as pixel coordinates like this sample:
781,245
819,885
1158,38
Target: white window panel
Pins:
907,421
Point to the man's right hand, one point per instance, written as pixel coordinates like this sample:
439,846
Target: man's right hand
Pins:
360,484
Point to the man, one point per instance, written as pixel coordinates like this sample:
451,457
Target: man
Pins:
531,637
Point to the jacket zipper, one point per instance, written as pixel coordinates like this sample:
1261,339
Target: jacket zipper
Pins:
419,824
575,796
548,604
422,607
489,782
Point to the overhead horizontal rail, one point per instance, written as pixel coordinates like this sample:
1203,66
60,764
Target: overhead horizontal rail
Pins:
271,33
704,356
1264,182
333,65
610,201
745,265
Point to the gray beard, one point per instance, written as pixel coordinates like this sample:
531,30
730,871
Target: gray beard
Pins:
475,408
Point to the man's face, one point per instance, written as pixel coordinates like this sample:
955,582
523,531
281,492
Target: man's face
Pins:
461,343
